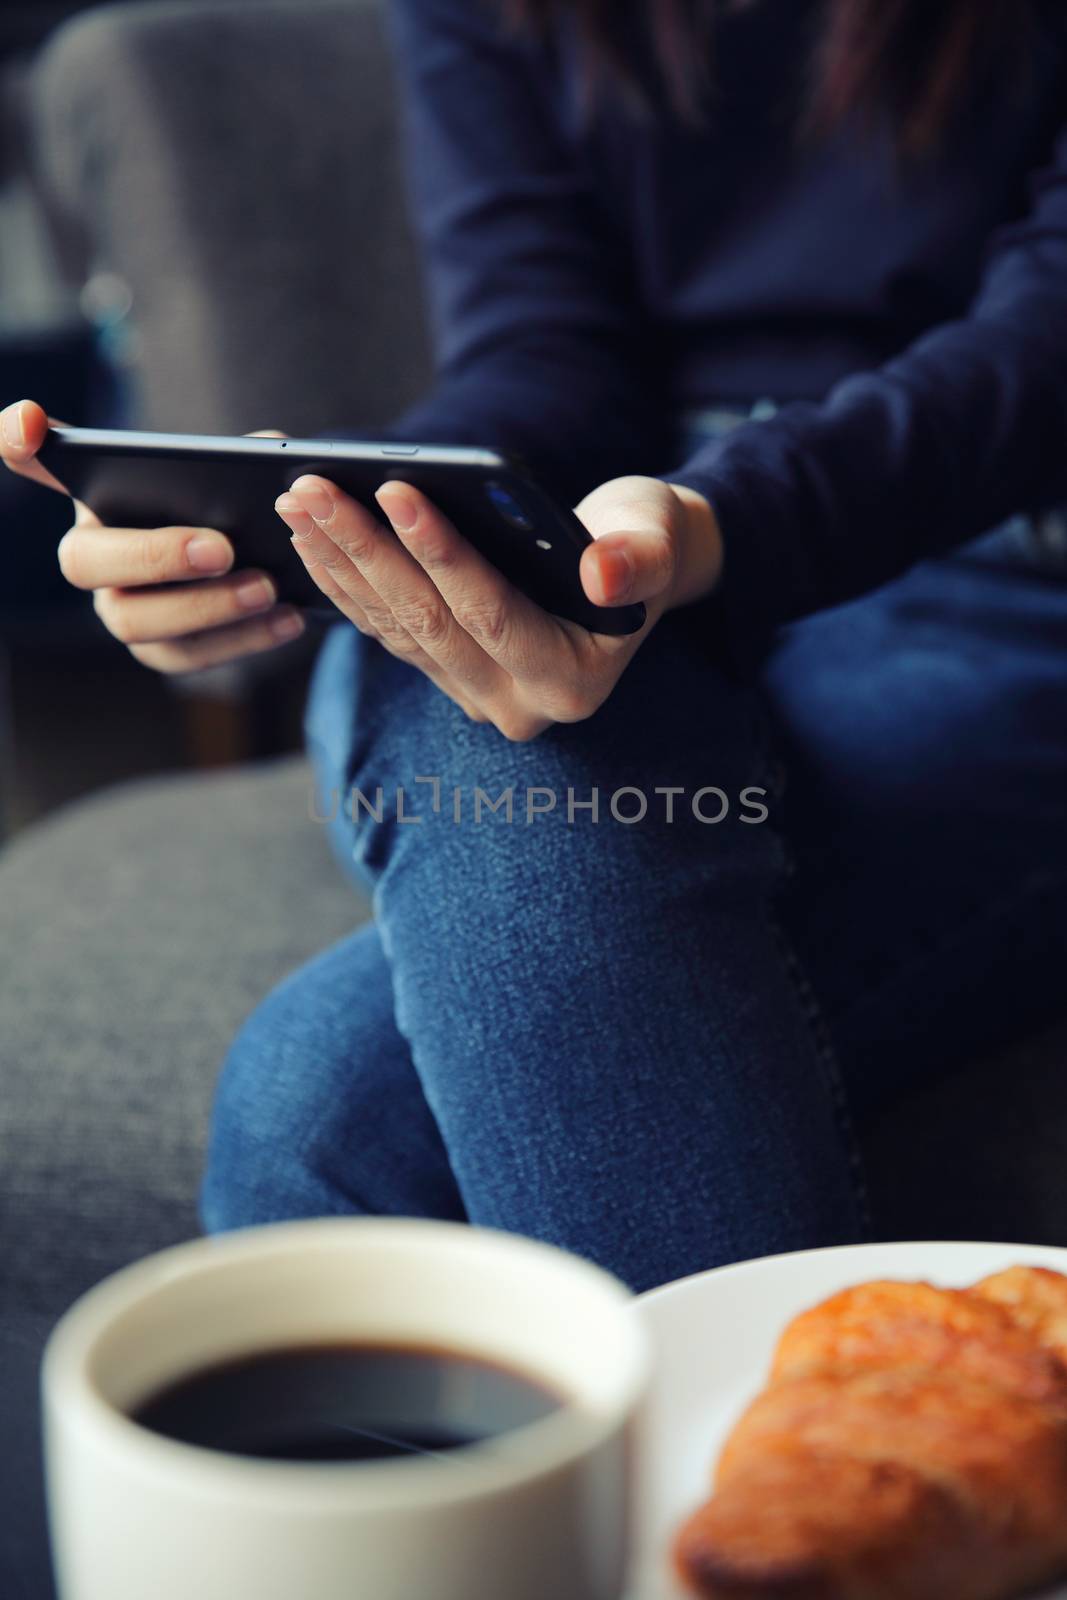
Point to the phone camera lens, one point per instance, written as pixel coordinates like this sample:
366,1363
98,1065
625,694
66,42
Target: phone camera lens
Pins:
508,506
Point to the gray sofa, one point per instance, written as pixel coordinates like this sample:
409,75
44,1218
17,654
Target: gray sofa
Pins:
177,145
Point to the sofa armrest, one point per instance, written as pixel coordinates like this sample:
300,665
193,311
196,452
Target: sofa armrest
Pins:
237,165
139,928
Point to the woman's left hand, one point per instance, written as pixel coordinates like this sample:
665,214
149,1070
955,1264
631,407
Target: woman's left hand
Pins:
432,600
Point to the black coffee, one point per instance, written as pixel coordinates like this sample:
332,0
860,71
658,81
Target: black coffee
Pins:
346,1402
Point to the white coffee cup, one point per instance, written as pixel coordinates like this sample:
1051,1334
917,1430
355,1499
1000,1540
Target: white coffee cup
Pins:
540,1513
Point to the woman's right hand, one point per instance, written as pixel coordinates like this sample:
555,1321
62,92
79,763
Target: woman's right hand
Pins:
130,570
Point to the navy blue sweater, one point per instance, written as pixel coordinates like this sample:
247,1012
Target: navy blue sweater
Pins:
591,277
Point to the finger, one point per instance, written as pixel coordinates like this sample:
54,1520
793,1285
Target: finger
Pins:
267,433
95,558
634,523
346,601
539,655
354,552
197,651
429,668
146,616
22,431
328,566
521,638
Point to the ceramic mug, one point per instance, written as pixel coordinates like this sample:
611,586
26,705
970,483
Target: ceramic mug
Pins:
542,1511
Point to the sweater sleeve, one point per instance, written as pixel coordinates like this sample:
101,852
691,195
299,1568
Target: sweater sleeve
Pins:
540,345
823,501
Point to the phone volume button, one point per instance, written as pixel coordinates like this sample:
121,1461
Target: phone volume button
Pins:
400,449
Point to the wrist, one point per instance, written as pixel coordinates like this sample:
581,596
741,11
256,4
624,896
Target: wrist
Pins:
700,549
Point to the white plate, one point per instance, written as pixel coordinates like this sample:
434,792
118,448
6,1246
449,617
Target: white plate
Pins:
713,1335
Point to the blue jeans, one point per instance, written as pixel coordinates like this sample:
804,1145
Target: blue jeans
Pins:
655,1042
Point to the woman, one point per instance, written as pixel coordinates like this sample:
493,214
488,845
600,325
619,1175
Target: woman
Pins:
779,295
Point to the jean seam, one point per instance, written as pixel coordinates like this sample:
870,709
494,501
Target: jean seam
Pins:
775,776
831,1071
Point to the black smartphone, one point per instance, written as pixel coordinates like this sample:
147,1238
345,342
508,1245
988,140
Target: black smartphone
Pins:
147,480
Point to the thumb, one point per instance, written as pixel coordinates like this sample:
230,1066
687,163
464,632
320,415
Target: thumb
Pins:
23,427
633,556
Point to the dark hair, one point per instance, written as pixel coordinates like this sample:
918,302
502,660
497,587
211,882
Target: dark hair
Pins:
912,59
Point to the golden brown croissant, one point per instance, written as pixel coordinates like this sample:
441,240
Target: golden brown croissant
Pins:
1036,1298
911,1444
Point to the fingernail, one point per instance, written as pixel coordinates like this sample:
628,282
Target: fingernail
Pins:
208,553
616,573
402,512
254,594
294,516
287,625
12,424
312,498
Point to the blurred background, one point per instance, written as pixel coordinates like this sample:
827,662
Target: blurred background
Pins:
58,344
146,283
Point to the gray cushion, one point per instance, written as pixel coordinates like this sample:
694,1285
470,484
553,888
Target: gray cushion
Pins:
137,930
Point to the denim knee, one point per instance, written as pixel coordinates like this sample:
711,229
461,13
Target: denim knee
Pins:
263,1160
319,1110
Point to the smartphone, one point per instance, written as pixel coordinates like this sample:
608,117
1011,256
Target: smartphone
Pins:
148,480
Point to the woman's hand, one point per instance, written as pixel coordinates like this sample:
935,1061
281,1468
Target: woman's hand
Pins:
432,600
132,573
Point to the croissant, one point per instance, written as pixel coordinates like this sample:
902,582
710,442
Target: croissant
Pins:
911,1444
